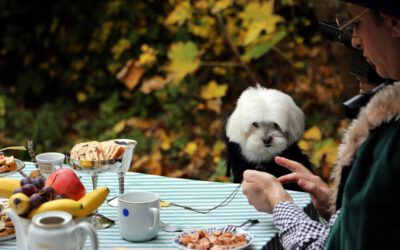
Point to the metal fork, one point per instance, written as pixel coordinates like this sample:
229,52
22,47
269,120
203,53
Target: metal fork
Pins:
230,228
168,228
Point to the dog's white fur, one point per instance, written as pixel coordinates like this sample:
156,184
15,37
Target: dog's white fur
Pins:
267,108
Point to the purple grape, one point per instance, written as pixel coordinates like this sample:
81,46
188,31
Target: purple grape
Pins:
48,193
29,189
38,182
36,200
25,181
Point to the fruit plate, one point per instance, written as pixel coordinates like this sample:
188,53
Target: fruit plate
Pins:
20,166
211,230
3,235
93,166
7,237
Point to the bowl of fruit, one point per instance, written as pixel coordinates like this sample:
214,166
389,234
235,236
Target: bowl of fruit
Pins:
61,191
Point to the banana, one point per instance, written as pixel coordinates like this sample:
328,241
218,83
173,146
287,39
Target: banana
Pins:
7,187
91,201
19,202
66,205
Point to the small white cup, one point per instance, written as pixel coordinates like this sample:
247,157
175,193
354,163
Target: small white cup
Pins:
139,215
48,162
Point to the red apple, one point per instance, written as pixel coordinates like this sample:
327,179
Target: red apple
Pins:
65,182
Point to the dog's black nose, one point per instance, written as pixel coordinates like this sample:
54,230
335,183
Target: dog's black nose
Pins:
267,141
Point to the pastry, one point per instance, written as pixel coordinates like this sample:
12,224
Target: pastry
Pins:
112,150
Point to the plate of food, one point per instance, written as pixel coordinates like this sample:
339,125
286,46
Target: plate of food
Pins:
216,237
9,165
7,230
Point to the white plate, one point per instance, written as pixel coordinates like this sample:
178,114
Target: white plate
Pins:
249,237
1,211
8,237
20,166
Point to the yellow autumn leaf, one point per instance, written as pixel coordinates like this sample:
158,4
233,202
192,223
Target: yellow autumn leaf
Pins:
203,27
213,90
122,45
148,56
218,147
256,25
303,145
256,29
313,133
256,12
190,148
221,5
165,141
328,149
180,14
201,4
119,127
184,59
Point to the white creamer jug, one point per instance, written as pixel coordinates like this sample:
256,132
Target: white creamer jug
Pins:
54,230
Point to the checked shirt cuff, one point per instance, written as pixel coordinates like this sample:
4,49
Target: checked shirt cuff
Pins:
296,229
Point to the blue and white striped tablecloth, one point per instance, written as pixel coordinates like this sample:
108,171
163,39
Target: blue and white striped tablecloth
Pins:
194,193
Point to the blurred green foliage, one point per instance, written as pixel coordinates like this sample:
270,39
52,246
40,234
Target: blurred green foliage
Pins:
166,73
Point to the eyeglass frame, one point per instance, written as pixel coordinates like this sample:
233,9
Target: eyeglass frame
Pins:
351,21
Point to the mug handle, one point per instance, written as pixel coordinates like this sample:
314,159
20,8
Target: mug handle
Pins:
91,232
155,213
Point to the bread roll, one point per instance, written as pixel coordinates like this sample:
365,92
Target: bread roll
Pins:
87,151
95,151
112,150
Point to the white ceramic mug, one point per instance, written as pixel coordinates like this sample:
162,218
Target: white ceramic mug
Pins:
57,230
48,162
139,215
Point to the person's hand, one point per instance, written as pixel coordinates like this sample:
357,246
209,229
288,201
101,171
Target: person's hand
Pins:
313,184
263,190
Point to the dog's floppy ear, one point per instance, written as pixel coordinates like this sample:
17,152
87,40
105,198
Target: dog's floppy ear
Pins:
295,124
239,120
234,130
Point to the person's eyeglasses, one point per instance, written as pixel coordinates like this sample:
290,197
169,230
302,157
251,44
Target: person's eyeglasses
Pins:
348,25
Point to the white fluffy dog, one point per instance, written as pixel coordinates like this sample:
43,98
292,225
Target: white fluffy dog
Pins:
264,124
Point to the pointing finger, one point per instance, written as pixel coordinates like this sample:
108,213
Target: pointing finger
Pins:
293,166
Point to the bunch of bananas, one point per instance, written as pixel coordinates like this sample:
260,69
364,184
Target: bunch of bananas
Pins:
23,206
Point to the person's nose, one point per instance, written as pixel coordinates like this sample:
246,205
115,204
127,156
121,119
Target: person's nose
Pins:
355,40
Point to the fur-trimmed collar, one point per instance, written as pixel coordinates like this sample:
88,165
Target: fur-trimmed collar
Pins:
383,107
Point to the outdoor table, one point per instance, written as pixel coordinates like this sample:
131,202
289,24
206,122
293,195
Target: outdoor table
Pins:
193,193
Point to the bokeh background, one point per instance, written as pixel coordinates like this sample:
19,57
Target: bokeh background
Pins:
167,74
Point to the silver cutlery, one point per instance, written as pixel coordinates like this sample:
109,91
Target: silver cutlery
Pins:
230,228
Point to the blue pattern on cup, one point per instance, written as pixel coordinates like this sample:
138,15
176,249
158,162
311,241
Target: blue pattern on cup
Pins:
125,212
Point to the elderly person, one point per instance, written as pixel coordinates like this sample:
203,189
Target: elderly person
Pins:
361,208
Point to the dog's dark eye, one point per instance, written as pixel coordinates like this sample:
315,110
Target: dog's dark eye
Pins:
255,124
276,126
